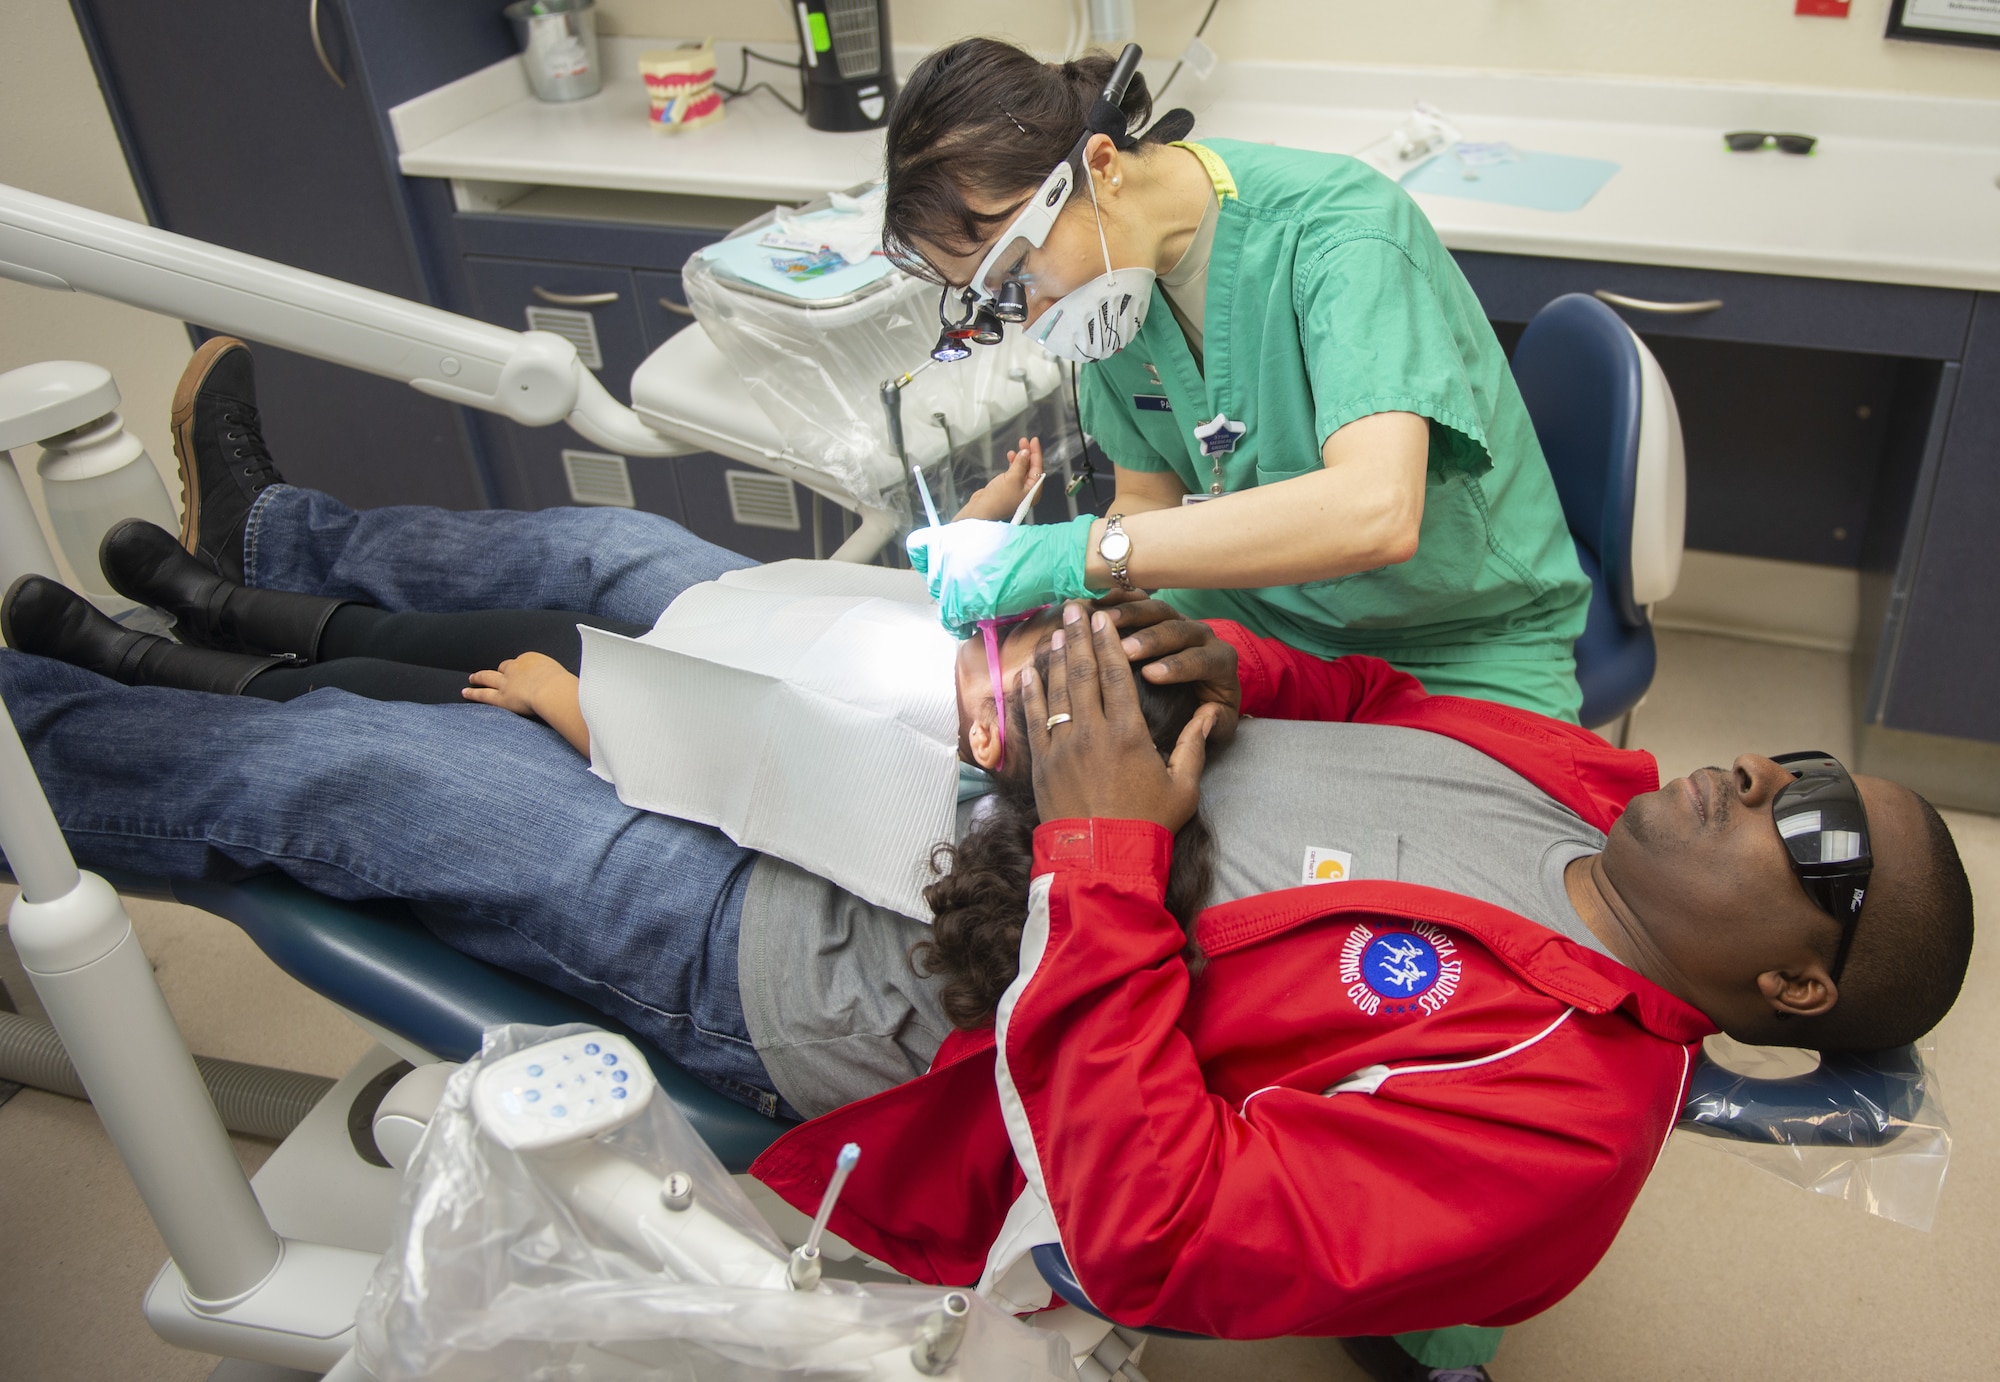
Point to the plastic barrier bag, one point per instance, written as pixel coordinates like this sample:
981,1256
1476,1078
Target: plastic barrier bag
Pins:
563,1263
1869,1131
817,369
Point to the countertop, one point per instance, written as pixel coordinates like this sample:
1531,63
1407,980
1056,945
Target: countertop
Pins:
1902,189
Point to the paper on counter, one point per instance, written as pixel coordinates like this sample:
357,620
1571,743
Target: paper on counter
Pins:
806,709
1541,182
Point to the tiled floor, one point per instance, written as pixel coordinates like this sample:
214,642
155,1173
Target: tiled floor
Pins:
1721,1272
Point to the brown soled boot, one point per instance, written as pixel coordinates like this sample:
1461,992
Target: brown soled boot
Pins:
219,442
44,617
144,563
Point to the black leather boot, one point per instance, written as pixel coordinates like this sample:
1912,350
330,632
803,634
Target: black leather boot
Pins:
144,563
220,446
41,616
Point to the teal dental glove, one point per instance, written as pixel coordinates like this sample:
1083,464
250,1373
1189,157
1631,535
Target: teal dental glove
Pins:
982,569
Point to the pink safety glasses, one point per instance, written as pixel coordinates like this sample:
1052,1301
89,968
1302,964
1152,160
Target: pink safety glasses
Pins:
989,629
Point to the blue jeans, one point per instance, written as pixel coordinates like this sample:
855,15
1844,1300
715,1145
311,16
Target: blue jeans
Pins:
489,825
618,563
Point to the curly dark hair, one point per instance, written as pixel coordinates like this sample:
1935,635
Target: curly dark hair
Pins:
980,899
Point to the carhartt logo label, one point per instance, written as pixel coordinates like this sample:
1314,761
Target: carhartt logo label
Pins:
1327,866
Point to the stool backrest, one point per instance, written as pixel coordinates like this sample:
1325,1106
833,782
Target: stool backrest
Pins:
1606,421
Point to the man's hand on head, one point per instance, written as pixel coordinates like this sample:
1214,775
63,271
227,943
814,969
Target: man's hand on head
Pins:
1099,759
1175,648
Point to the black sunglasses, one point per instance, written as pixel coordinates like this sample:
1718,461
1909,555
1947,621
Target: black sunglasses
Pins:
1750,141
1820,818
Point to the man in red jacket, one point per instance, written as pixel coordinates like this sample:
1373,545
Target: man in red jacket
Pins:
1383,1106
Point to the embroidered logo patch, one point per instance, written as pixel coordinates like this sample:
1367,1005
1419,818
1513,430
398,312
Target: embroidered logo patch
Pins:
1408,970
1327,866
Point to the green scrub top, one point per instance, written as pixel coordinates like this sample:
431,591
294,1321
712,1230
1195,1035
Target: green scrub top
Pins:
1330,298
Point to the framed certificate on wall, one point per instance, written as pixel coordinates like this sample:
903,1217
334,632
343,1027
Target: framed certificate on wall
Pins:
1974,23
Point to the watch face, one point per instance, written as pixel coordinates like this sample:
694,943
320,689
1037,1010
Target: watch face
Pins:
1115,547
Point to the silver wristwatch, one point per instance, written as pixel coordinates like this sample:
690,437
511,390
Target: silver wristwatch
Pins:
1116,549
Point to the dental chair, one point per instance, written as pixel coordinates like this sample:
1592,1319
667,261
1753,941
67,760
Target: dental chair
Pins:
271,1272
1607,423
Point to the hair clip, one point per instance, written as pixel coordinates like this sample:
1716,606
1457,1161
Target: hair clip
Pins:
1017,124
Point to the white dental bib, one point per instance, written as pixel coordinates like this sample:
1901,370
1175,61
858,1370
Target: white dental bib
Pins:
807,709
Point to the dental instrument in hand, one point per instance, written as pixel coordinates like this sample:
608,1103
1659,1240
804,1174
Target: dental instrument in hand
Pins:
1027,505
924,493
805,1264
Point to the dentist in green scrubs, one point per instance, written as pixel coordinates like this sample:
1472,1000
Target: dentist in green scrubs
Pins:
1314,430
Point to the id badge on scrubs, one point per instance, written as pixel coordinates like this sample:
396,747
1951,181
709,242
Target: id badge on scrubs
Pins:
1187,499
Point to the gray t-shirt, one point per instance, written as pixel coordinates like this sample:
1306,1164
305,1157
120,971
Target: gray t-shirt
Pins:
837,1014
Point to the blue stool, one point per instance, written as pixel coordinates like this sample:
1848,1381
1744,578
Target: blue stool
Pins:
1607,423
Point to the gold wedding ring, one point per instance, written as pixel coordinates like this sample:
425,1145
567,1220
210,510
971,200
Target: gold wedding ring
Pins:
1061,717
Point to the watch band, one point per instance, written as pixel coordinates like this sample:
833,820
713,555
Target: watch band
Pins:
1120,564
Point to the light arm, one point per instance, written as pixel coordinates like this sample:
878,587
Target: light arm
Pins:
532,377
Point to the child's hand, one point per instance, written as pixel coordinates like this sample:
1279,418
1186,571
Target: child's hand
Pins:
537,685
523,684
1003,494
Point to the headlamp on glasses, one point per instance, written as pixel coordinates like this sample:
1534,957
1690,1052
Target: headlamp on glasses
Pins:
997,293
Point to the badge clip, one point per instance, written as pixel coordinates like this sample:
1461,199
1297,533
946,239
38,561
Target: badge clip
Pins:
1219,436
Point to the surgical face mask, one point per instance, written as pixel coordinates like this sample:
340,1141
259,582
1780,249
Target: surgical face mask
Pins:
1102,317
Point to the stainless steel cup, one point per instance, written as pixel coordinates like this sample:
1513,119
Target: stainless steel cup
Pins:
558,41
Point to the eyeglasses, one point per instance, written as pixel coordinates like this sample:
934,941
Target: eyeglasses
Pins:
1820,818
1750,141
989,629
996,293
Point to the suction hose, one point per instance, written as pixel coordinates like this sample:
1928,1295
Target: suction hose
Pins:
252,1099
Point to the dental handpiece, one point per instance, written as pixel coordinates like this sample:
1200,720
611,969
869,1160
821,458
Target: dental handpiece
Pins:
804,1268
924,493
1027,505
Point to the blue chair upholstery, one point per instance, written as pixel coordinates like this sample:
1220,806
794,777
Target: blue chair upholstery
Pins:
1856,1101
377,961
1580,374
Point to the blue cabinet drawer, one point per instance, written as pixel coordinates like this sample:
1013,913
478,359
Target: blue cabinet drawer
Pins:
593,306
752,511
1762,309
662,305
572,240
596,309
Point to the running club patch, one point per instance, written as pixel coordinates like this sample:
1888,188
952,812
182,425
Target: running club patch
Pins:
1411,969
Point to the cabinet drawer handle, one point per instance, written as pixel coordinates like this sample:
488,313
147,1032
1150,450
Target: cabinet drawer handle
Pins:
676,308
1665,309
575,299
319,45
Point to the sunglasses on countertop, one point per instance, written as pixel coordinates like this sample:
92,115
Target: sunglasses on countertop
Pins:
1750,141
1820,818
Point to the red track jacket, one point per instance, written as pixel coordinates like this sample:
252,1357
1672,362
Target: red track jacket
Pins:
1381,1108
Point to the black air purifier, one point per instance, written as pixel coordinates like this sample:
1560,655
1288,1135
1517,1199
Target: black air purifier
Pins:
850,82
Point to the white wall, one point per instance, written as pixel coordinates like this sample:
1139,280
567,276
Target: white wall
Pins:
58,141
1713,40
